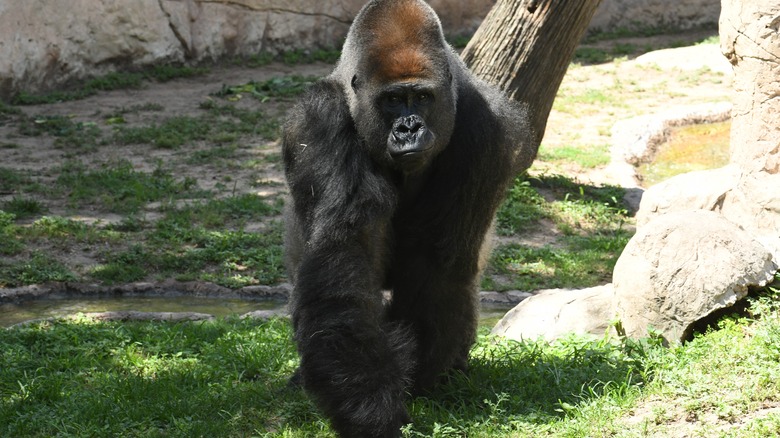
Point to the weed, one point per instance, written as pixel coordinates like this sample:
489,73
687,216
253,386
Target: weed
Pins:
9,244
586,157
11,179
171,134
40,268
118,187
274,88
23,207
521,209
83,136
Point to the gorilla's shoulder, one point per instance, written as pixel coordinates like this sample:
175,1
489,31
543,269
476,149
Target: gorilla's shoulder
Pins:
321,115
324,98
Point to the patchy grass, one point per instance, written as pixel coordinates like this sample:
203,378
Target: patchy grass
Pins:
118,187
586,157
228,377
274,88
592,224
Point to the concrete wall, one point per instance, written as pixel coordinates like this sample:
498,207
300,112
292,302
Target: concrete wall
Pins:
46,43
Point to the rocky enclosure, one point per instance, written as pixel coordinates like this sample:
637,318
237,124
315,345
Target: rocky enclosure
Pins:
44,45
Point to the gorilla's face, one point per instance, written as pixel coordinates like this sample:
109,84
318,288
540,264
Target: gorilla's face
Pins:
407,122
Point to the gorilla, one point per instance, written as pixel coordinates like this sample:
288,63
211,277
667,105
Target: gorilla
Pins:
396,163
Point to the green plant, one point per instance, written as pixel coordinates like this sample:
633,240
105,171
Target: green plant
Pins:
39,268
118,187
521,209
274,88
23,207
586,157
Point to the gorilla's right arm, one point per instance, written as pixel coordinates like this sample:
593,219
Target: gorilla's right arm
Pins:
356,367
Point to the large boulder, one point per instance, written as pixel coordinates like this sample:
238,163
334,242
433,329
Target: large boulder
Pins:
750,200
554,313
683,266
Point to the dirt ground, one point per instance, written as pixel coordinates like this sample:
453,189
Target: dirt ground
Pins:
593,98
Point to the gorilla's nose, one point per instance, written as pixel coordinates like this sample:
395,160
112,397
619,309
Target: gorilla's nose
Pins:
405,128
410,124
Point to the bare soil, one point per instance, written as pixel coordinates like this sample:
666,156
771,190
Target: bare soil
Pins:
591,99
631,88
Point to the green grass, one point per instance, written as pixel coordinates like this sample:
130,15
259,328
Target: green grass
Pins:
274,88
574,262
220,124
591,222
39,268
23,208
117,187
585,157
228,377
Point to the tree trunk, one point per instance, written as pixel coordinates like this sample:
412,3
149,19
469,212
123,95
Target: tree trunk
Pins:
525,47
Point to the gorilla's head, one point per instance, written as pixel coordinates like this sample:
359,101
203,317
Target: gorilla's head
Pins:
396,72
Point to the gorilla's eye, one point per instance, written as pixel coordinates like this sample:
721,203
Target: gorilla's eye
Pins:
354,82
423,97
394,100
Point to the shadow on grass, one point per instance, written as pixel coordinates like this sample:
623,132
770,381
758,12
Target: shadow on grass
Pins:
512,386
229,377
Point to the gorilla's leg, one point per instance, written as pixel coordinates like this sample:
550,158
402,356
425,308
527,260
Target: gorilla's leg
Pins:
356,367
442,309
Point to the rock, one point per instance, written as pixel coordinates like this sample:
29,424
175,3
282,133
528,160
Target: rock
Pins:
682,266
492,297
266,314
279,292
43,45
701,190
750,200
551,314
690,58
754,204
750,40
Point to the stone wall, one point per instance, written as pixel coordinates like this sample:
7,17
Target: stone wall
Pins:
46,43
651,14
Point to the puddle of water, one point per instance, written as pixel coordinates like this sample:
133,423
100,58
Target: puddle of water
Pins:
690,148
14,313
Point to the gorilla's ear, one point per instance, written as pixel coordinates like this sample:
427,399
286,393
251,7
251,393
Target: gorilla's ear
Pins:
354,83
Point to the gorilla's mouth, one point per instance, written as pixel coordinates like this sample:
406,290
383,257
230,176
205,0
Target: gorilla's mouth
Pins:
410,156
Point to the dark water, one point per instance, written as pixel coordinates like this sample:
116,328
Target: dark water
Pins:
14,313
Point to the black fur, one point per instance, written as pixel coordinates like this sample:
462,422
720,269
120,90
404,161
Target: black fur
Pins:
363,220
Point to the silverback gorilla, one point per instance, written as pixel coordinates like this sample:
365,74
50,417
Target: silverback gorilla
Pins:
396,164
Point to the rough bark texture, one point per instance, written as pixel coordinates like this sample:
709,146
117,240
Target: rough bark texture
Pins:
525,47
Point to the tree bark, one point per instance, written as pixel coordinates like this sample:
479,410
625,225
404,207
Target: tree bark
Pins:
525,47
